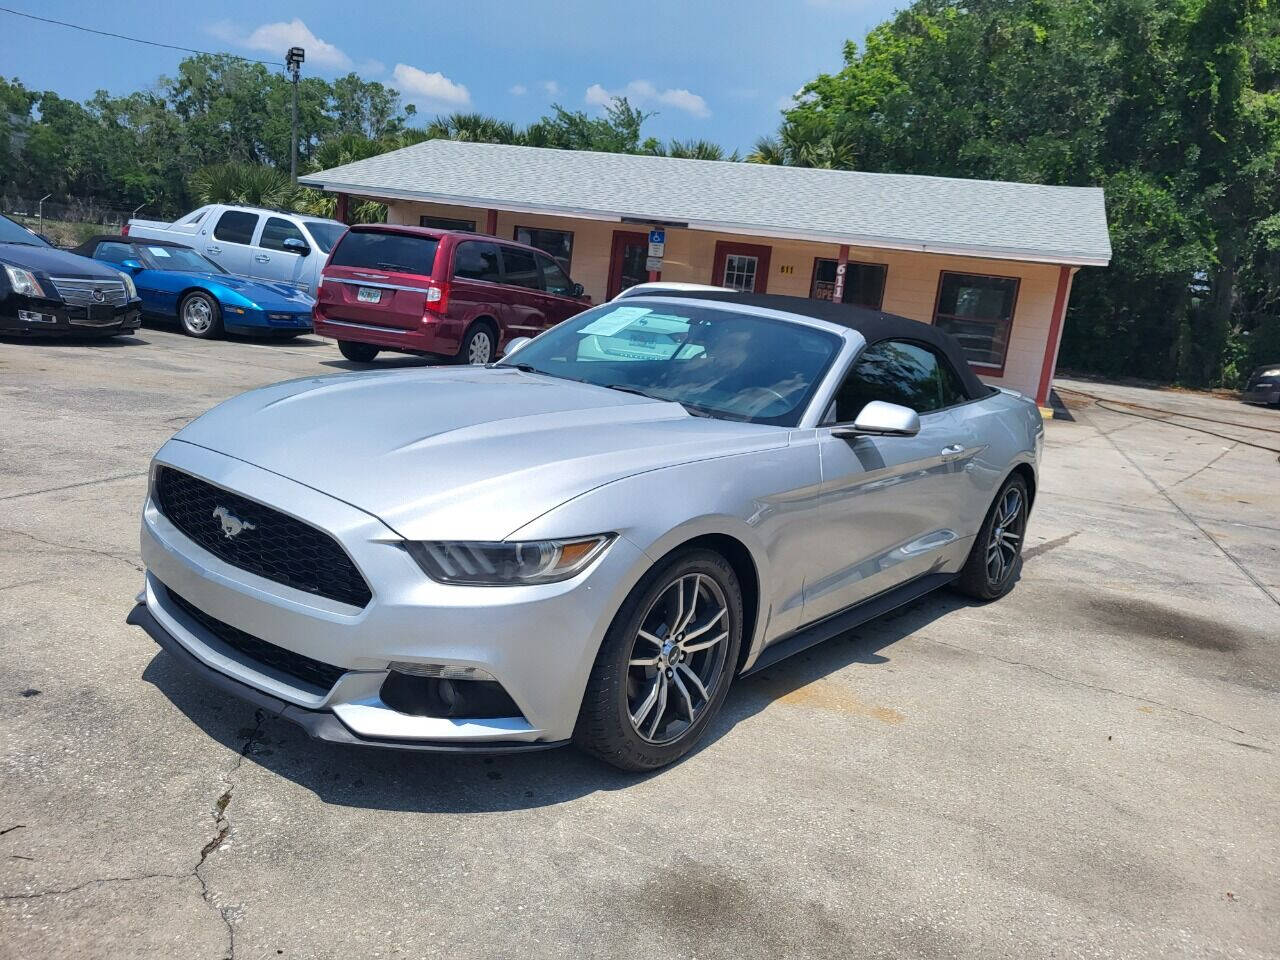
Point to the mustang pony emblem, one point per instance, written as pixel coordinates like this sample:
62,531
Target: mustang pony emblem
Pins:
232,526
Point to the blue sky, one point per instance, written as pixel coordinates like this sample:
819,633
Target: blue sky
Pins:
715,70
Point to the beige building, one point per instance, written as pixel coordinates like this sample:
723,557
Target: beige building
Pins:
991,262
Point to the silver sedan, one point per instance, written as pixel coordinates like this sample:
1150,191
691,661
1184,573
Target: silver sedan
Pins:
590,540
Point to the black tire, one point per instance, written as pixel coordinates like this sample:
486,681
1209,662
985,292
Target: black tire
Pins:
982,577
200,316
357,352
473,349
605,727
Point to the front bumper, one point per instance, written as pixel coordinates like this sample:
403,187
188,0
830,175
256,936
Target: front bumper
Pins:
538,642
260,321
19,313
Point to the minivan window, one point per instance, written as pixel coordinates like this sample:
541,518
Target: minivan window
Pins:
476,260
554,279
521,268
276,231
236,226
375,250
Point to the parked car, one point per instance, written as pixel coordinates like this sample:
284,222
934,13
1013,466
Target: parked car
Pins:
47,290
460,295
558,547
177,282
655,288
251,241
1263,385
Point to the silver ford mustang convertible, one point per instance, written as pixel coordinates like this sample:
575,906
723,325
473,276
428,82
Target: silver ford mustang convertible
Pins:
589,540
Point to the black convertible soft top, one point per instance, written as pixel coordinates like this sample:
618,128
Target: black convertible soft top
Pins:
874,325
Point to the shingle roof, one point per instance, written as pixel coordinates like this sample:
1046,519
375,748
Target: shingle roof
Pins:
985,218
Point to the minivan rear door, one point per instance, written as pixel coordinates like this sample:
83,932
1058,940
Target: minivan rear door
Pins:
379,279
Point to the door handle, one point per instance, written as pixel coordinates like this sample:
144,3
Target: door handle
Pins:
212,249
953,451
262,258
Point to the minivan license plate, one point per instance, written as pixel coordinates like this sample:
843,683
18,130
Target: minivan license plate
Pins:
368,295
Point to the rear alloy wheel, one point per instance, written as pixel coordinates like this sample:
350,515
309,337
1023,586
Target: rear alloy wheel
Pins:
996,554
200,315
666,664
477,346
357,352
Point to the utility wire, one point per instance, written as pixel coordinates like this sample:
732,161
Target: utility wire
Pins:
149,43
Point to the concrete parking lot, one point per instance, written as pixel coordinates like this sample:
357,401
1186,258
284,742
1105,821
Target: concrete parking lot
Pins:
1085,768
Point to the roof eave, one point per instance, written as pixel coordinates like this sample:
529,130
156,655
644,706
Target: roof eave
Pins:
978,251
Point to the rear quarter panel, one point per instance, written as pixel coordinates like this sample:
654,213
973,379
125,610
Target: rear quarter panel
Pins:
1004,430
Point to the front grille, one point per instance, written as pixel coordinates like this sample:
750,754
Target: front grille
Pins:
313,673
80,293
254,537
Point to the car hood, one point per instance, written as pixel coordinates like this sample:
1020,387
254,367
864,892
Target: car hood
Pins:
462,453
56,263
265,293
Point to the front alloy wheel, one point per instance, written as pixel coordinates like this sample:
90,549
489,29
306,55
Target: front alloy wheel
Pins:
200,315
666,663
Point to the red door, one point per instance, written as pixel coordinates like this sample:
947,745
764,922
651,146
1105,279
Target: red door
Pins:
742,266
626,262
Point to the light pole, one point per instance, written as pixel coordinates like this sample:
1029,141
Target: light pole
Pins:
293,60
40,213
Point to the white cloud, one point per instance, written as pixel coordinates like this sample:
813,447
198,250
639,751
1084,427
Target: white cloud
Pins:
551,87
415,83
644,93
519,90
276,38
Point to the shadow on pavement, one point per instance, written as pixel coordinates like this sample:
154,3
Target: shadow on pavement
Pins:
435,783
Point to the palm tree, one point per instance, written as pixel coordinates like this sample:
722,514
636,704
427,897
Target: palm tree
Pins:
689,150
768,150
252,185
473,128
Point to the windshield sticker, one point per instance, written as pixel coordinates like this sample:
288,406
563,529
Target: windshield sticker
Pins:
615,320
158,251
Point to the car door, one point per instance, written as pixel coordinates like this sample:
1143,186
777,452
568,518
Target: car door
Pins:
230,245
559,302
475,288
892,507
273,260
526,304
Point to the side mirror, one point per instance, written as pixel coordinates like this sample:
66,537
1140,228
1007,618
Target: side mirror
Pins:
880,419
133,266
577,290
294,245
515,345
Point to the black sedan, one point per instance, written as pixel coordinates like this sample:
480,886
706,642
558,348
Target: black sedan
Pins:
1263,385
47,290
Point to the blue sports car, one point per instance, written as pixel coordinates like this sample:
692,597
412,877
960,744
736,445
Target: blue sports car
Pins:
176,281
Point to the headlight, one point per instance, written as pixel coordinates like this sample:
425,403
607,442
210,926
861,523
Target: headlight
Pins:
24,282
487,563
1273,372
130,287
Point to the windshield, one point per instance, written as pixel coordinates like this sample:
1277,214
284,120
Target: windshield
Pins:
11,232
325,233
715,362
376,250
178,258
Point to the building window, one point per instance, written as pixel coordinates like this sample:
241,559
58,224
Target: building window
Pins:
445,223
558,243
863,282
740,271
977,311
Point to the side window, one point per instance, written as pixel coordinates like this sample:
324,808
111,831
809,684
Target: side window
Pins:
950,384
893,371
275,233
236,226
114,252
554,280
520,268
477,261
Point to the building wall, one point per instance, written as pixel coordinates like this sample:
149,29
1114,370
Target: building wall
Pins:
911,280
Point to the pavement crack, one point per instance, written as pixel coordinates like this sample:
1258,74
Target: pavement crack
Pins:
16,826
1100,688
222,829
73,548
72,486
63,891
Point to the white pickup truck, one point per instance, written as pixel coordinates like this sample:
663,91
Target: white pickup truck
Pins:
252,242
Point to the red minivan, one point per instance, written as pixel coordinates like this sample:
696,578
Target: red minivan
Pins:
451,294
